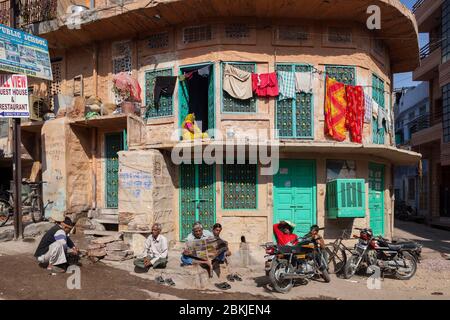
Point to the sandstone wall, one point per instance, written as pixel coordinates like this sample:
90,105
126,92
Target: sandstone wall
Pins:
146,192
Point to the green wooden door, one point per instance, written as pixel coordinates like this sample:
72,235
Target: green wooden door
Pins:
295,194
376,198
197,197
114,143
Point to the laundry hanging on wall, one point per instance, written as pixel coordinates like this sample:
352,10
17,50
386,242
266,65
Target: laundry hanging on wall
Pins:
265,84
237,83
354,119
286,85
335,109
164,85
303,82
383,119
368,106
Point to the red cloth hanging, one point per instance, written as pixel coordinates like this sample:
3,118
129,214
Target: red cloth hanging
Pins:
335,109
125,82
265,84
354,120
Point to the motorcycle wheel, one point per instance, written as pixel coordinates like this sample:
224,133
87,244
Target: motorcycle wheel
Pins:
36,212
336,262
281,286
4,212
411,261
350,267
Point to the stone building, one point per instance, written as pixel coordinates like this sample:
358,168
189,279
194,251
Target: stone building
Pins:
120,168
433,140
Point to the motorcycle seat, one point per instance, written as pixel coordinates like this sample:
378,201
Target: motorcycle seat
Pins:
395,247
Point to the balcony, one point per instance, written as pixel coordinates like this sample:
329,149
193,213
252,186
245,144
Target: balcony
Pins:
430,59
420,123
428,135
428,14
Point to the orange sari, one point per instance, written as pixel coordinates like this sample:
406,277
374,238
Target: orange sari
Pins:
335,110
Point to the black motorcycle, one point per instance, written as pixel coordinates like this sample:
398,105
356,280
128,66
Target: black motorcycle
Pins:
303,261
371,252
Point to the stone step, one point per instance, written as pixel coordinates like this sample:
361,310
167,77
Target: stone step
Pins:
107,219
101,233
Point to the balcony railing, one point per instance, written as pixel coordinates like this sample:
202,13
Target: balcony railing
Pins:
417,5
29,11
4,12
35,11
419,123
429,48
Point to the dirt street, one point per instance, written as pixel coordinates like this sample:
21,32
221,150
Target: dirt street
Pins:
25,280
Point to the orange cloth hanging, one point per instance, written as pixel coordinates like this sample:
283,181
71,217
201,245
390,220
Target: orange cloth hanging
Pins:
335,110
355,112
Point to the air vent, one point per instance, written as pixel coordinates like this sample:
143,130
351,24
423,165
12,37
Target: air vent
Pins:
291,33
237,31
196,34
339,35
158,40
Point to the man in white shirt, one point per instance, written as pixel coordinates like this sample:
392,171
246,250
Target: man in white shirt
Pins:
155,251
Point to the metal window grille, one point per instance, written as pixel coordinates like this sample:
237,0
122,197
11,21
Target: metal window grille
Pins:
230,104
237,31
239,186
54,87
4,12
295,117
446,113
165,107
293,33
121,52
344,74
197,33
158,40
339,35
34,11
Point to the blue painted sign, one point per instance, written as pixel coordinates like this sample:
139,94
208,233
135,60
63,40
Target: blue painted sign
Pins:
24,53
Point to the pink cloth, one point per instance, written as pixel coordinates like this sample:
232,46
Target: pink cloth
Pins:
125,82
265,84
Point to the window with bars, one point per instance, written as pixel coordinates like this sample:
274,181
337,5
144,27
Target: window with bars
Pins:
294,117
237,31
197,33
344,74
239,186
230,104
293,33
158,40
54,87
165,107
445,31
446,113
378,97
121,57
339,35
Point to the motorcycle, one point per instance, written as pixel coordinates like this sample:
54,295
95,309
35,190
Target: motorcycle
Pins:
303,261
370,252
271,251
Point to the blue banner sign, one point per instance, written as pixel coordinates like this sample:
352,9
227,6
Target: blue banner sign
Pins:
24,53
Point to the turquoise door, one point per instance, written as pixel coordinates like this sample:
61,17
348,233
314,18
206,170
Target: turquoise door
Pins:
114,142
295,194
197,197
376,198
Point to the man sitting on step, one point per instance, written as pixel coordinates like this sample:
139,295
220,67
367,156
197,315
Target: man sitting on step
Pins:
55,247
155,251
198,233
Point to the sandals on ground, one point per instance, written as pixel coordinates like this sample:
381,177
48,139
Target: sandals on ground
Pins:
170,282
159,280
223,286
